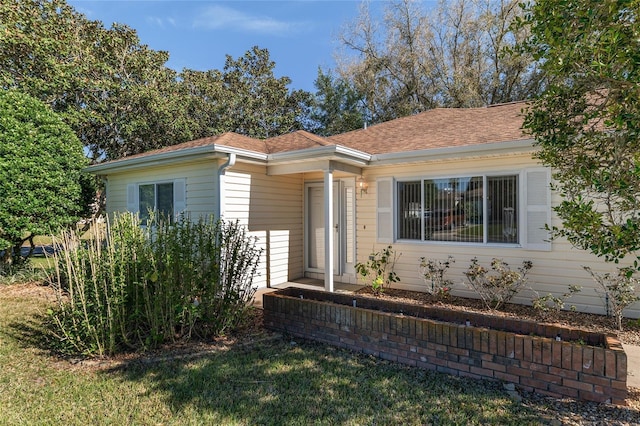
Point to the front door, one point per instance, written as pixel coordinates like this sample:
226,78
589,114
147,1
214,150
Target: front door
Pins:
343,226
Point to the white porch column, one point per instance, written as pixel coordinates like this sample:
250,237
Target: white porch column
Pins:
328,230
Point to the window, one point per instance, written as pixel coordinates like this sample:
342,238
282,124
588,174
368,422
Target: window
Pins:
156,197
166,198
475,209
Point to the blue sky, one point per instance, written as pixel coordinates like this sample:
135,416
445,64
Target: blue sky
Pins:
300,35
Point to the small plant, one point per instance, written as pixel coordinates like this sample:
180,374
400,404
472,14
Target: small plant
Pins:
498,288
619,291
378,269
550,305
432,272
21,272
443,293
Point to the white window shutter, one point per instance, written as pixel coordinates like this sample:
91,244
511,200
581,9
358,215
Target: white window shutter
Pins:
179,197
132,198
537,212
384,210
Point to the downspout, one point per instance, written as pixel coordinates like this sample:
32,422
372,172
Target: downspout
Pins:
231,161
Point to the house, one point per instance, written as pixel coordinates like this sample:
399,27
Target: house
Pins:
459,182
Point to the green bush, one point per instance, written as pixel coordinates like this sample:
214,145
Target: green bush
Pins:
550,305
378,271
498,287
618,291
432,272
134,287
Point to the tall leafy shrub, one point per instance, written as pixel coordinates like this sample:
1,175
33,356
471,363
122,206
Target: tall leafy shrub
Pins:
133,287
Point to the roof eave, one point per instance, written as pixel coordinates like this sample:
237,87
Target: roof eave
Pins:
485,149
172,157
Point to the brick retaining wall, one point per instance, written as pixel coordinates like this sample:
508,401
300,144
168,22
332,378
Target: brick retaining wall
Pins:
439,339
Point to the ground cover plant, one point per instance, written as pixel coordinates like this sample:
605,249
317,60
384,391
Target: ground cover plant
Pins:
133,287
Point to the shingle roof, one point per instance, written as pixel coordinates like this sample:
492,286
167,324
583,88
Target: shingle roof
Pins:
294,141
231,139
439,128
436,128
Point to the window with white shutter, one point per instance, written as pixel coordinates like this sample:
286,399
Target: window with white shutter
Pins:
501,208
165,198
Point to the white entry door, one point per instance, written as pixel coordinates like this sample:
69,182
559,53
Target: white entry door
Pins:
343,226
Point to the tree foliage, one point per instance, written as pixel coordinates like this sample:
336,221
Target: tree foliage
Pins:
114,91
459,54
338,106
40,165
119,96
587,121
256,103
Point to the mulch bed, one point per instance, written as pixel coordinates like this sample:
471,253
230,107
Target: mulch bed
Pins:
596,323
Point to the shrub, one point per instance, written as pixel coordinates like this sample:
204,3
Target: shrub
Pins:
498,288
134,287
432,272
21,272
378,271
550,305
619,291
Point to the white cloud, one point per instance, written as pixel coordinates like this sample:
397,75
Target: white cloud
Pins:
226,18
160,22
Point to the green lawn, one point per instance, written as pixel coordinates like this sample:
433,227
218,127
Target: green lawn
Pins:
276,381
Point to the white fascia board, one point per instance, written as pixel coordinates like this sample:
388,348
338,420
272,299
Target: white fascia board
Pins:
173,157
244,155
497,148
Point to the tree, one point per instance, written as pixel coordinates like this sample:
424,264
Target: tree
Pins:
338,107
40,165
587,121
459,54
256,103
118,95
115,92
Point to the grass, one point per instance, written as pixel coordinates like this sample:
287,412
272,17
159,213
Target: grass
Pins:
276,381
273,382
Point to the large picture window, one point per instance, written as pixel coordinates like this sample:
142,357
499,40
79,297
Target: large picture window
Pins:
475,209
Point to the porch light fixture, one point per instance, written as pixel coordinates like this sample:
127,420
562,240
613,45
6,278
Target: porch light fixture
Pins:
363,185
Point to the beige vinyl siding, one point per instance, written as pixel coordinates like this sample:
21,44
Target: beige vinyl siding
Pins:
272,208
200,179
553,271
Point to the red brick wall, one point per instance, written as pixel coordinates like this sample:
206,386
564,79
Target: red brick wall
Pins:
538,364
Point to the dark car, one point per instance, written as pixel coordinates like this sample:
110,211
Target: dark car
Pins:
438,220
